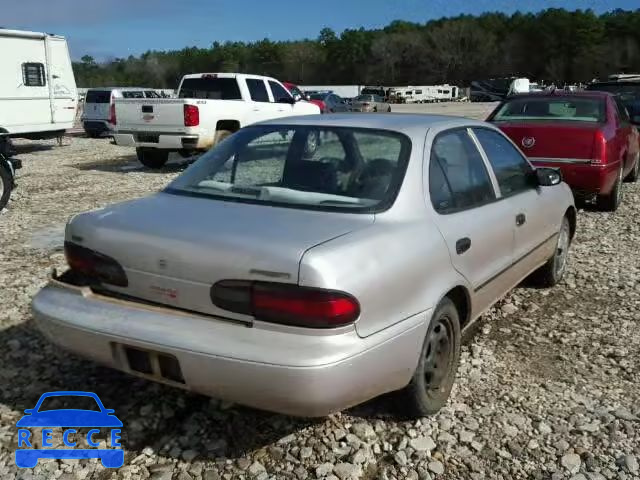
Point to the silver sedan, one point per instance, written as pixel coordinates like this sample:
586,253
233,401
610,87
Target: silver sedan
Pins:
370,103
306,280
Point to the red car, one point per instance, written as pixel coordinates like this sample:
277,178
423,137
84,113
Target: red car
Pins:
587,135
299,94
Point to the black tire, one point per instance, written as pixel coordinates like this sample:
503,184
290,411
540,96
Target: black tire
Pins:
551,273
431,384
375,109
389,110
94,134
6,185
152,157
635,172
611,202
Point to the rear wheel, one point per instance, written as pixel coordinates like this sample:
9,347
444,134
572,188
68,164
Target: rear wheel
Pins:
389,109
221,135
635,172
551,273
611,202
152,157
433,379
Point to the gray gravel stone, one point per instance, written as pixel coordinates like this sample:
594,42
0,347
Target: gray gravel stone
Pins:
422,444
347,471
571,462
436,467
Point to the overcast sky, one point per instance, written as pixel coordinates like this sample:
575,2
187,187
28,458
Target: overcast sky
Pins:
118,28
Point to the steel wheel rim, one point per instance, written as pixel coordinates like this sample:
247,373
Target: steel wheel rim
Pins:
562,250
438,354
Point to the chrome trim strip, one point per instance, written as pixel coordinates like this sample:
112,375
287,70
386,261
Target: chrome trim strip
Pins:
559,160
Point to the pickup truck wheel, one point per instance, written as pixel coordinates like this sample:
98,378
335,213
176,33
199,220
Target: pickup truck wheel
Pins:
433,379
152,157
551,273
635,172
6,184
611,202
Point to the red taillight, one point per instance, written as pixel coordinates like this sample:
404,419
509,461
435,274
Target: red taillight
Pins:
191,116
112,114
286,304
599,149
94,266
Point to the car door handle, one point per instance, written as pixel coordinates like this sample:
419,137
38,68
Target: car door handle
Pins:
463,245
521,219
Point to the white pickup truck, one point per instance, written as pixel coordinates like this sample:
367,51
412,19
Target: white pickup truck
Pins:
209,107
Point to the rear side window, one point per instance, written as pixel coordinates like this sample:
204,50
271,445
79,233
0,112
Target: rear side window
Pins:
511,170
258,90
279,92
33,75
458,178
211,88
133,94
151,94
98,96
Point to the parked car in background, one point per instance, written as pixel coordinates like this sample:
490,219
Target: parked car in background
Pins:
298,94
627,89
38,96
209,108
99,114
8,167
587,135
256,276
370,103
329,102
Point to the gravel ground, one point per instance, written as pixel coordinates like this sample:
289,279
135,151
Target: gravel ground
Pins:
548,386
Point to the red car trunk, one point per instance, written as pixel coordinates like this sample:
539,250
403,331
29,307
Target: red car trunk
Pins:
547,140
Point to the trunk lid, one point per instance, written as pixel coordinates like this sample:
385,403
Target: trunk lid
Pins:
174,248
552,140
151,115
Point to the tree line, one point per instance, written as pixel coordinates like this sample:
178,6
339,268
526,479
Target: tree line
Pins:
554,45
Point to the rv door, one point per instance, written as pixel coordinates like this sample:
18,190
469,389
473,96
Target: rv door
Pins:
62,85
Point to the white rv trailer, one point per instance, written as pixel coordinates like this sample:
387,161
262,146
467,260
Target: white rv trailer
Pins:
38,96
425,93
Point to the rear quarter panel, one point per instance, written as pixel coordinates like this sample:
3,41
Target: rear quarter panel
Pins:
396,269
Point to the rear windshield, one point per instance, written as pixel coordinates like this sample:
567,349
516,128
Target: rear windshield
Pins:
549,109
365,98
210,88
98,96
316,168
372,91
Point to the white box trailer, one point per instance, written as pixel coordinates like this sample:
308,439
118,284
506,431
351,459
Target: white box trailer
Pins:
38,96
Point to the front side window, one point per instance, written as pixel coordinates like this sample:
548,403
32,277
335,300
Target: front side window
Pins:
257,90
132,94
329,168
33,75
458,178
211,87
512,171
279,92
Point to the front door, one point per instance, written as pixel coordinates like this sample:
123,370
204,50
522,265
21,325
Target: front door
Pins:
476,226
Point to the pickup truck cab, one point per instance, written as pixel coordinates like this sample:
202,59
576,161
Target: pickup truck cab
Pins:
209,108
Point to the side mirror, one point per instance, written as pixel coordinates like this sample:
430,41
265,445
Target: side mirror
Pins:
289,100
548,177
297,97
307,97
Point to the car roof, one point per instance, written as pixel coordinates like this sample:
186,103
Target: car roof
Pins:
612,83
401,122
561,94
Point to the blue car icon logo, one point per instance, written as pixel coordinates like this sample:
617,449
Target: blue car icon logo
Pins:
68,419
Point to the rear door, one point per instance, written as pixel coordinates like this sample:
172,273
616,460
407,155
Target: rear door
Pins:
64,95
262,107
477,228
532,212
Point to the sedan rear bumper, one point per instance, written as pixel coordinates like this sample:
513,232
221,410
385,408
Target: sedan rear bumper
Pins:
582,176
285,370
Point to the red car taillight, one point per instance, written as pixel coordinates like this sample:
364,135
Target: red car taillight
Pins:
112,114
94,266
286,304
599,149
191,116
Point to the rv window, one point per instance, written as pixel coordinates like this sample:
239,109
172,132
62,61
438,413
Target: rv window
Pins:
33,75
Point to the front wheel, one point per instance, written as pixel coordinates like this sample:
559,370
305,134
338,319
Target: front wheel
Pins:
6,185
433,379
152,157
611,202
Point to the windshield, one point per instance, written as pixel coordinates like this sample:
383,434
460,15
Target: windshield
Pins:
552,108
320,168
